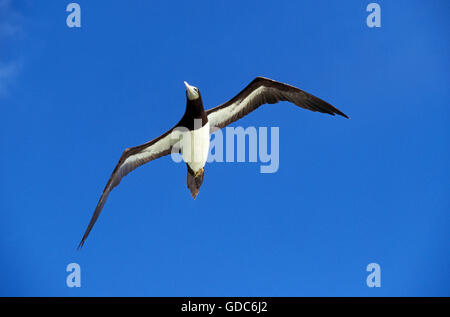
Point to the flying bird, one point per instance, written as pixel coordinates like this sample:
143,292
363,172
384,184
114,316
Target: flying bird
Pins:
198,123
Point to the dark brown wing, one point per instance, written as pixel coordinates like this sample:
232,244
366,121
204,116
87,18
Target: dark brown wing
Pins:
130,160
261,91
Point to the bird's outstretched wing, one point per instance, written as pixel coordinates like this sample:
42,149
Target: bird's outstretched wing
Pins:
131,159
261,91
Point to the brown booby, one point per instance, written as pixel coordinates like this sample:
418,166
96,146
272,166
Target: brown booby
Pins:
198,124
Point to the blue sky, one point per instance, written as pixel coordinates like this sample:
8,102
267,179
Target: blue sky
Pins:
348,192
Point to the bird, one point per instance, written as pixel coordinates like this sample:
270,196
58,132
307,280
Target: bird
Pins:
198,124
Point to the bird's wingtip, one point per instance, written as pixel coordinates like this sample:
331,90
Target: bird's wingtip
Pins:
340,113
80,245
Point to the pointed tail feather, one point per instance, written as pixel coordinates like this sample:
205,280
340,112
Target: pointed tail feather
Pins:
194,180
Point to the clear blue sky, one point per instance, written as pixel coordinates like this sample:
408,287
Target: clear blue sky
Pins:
348,192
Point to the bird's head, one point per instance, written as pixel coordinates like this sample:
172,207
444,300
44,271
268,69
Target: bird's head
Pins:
192,93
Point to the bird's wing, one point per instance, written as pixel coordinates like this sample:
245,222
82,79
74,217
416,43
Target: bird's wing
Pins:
261,91
131,159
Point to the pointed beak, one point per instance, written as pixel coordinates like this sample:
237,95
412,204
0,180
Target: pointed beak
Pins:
188,87
192,94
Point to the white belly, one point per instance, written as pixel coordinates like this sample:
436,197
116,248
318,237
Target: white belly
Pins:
195,147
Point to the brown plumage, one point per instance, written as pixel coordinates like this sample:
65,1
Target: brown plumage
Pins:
260,91
194,180
265,91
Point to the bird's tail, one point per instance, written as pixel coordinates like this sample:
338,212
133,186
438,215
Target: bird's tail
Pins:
194,180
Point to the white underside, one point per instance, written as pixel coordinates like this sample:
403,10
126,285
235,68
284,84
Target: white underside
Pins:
216,118
195,147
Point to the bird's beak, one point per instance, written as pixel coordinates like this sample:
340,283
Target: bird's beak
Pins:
191,93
